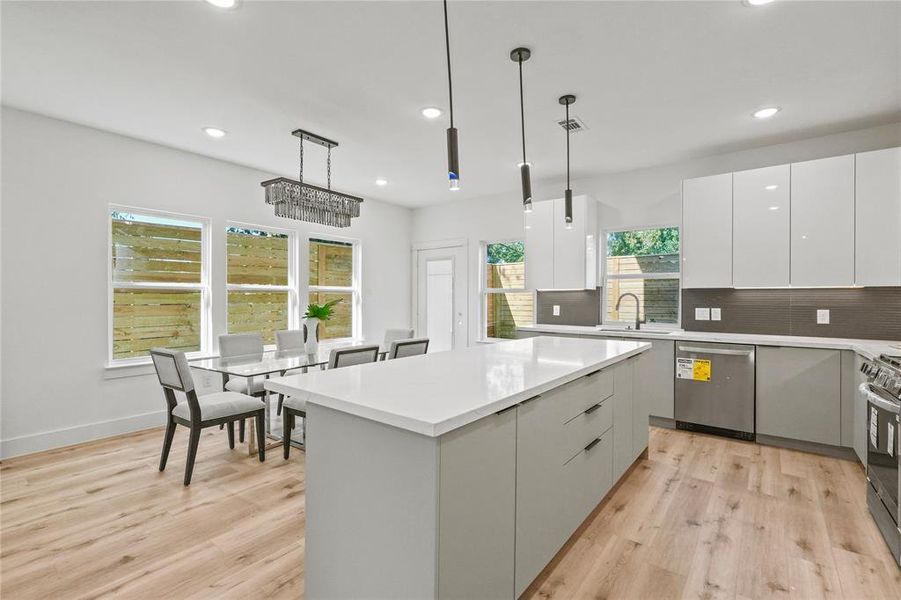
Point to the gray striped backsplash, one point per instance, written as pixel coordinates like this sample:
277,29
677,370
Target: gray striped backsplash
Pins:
577,307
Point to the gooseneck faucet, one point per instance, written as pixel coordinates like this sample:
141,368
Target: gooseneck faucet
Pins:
637,308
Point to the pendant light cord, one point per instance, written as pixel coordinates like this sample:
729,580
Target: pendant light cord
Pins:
567,145
522,112
450,85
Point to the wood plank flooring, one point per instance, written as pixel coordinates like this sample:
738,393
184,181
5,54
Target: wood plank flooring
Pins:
702,517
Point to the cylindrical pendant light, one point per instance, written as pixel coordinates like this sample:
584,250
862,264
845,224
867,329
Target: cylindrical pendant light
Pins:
520,55
568,195
453,153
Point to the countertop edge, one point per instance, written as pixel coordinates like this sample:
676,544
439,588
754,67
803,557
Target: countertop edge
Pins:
438,429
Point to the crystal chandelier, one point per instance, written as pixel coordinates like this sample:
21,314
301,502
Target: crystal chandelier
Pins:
305,202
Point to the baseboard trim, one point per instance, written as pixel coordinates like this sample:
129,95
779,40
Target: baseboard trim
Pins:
812,447
79,434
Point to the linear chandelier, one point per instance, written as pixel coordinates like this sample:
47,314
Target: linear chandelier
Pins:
305,202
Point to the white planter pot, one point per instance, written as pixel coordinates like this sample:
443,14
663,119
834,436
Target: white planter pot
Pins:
311,336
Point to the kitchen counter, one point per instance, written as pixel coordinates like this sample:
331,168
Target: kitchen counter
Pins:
866,348
436,393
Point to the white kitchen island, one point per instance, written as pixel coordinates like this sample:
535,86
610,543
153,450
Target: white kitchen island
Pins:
461,474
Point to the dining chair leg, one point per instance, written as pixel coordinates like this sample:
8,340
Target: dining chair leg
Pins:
287,425
241,431
192,453
261,435
281,398
167,442
231,435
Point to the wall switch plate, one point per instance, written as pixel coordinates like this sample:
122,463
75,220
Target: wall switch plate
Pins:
702,314
716,314
556,310
822,316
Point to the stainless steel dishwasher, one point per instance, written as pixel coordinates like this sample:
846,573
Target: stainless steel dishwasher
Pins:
715,388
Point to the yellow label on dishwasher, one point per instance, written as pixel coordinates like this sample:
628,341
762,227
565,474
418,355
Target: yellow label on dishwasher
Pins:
700,370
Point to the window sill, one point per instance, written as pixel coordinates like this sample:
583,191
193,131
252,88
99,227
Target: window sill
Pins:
139,367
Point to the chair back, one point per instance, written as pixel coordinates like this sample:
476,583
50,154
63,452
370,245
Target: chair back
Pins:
404,348
172,369
239,344
357,355
392,335
289,339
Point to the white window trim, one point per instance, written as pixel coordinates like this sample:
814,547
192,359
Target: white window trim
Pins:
355,289
293,274
484,290
203,287
628,325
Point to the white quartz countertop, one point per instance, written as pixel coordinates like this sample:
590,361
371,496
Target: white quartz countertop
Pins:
439,392
866,348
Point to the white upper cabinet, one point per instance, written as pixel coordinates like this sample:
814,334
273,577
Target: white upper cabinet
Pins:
762,209
707,232
878,222
539,236
822,222
557,257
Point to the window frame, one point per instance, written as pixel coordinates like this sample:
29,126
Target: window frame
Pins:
628,325
294,318
355,289
203,287
484,290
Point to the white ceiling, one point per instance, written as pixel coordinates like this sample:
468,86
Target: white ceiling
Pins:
656,82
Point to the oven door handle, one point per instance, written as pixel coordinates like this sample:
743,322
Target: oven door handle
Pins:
877,400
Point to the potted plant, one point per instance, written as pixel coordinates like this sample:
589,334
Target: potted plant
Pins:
314,315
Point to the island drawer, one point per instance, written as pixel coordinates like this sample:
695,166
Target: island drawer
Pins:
587,478
580,395
588,425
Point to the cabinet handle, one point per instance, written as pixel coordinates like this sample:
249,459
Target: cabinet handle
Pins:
592,444
530,399
594,373
591,409
508,409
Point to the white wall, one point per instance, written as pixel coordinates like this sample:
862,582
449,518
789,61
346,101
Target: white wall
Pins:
635,198
58,180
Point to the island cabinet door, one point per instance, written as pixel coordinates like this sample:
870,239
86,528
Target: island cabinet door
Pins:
477,508
623,433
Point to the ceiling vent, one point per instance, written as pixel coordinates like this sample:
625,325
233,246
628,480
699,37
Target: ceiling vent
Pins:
574,125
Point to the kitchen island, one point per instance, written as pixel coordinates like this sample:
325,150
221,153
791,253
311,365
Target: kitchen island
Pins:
460,474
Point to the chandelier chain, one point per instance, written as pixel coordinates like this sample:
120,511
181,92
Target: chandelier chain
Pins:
328,168
300,174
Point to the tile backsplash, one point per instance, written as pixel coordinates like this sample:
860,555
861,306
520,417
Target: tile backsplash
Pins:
577,307
866,313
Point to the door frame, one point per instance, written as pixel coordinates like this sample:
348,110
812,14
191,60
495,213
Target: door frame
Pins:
461,277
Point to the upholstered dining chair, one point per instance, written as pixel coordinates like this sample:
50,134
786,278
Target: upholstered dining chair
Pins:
411,347
199,412
297,407
393,335
241,344
286,341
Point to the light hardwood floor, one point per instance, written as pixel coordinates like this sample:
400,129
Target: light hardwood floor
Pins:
702,517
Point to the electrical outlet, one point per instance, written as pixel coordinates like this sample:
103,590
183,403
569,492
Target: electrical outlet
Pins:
822,316
716,314
556,310
702,314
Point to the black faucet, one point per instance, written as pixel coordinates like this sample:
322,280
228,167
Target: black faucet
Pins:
638,320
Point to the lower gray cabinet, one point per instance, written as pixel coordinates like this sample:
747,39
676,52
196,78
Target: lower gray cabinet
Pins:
799,394
655,376
623,426
859,413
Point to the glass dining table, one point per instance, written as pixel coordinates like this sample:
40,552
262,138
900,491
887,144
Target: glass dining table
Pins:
265,365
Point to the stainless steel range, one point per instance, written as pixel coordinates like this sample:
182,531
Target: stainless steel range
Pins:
883,394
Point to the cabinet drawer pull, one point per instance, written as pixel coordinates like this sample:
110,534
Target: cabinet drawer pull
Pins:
592,444
593,373
508,409
591,409
530,399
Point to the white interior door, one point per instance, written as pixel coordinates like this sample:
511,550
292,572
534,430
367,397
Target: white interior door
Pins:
441,297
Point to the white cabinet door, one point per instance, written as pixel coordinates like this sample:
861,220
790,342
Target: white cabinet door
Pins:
822,222
878,222
761,237
707,232
575,249
539,236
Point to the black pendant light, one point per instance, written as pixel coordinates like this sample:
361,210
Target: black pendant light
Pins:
520,55
568,196
453,155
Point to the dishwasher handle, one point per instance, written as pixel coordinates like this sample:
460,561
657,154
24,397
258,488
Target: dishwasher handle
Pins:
726,351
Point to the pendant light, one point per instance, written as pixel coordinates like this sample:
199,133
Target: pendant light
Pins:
453,155
520,55
568,195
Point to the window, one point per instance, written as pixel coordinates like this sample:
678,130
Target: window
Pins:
643,262
334,275
260,284
505,303
159,284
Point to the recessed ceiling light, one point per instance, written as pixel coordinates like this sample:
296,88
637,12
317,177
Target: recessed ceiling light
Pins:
757,2
774,208
771,187
431,112
223,3
766,113
214,132
381,181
